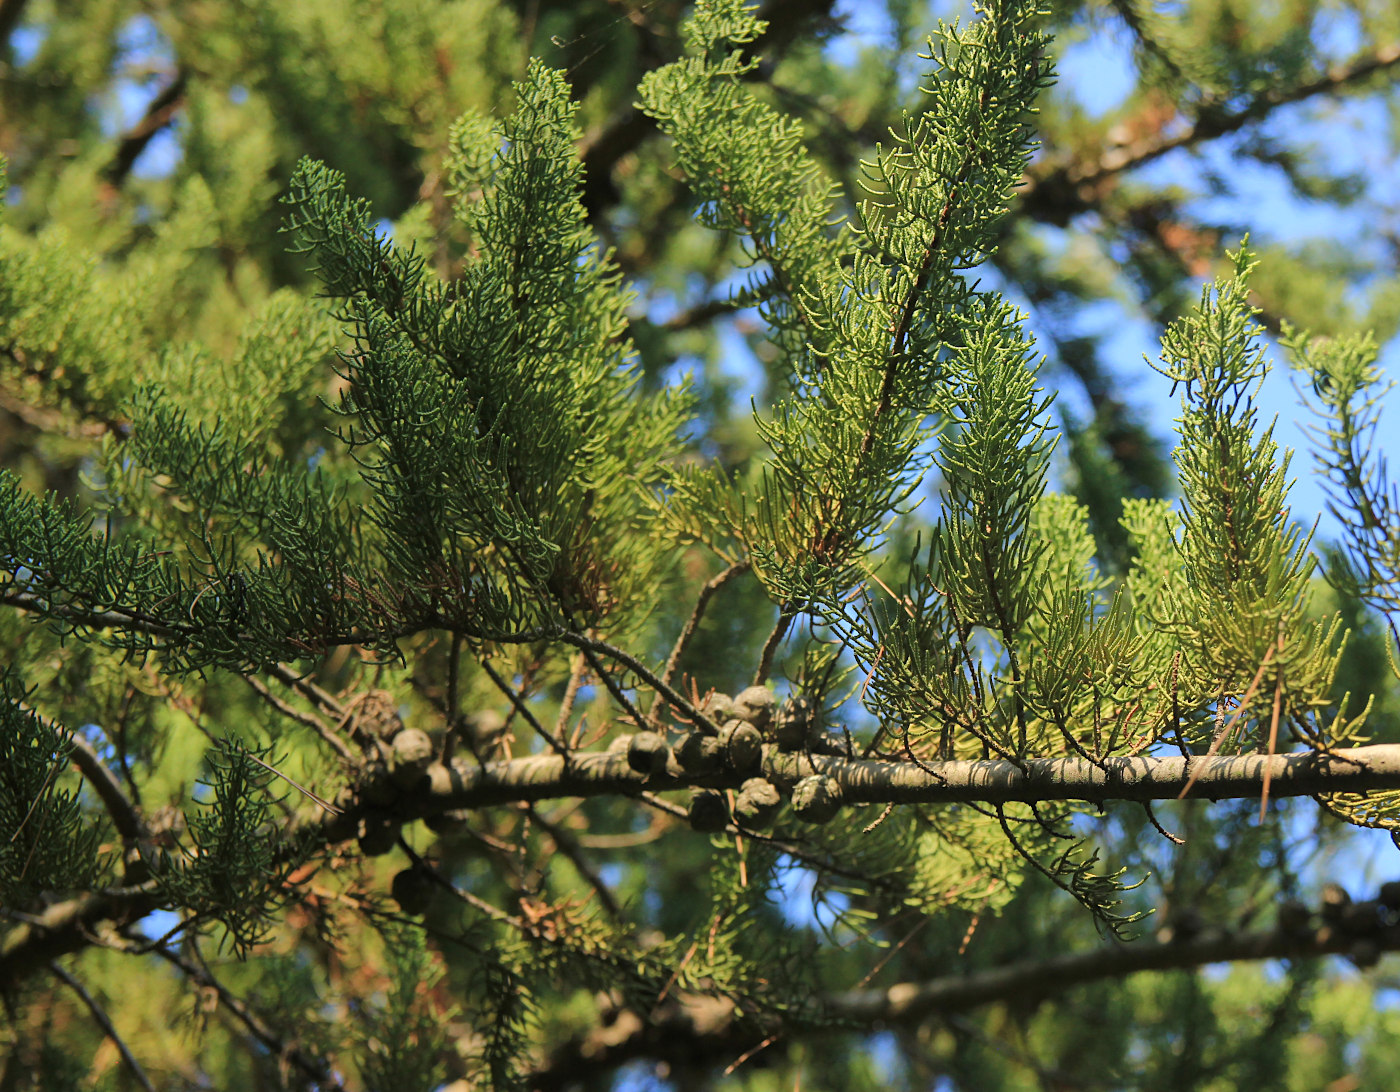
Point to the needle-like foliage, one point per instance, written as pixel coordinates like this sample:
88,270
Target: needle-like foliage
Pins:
383,564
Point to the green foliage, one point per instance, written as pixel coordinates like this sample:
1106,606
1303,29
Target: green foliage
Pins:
749,173
1245,569
47,844
866,321
404,1042
231,867
1347,385
511,456
427,541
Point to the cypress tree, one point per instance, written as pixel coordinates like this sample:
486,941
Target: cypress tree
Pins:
414,679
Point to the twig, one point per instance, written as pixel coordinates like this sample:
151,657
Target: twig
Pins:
1223,732
1163,831
770,646
313,722
627,660
1207,126
1273,743
104,1022
702,312
566,707
315,1068
285,675
119,738
702,601
453,697
524,710
797,853
476,902
615,689
568,845
325,804
116,618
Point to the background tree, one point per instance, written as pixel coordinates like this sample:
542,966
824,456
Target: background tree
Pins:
353,551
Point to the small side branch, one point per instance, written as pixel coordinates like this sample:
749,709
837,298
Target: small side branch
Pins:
332,740
568,845
770,646
99,1014
285,675
702,601
160,113
313,1067
90,619
1066,177
524,710
634,665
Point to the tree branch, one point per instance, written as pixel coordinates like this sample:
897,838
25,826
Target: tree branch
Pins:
105,1023
68,926
694,1033
327,734
1058,188
873,781
160,112
125,817
672,696
44,419
315,1068
90,619
909,1002
702,601
700,313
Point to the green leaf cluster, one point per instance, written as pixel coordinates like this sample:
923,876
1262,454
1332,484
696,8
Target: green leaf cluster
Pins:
47,844
230,865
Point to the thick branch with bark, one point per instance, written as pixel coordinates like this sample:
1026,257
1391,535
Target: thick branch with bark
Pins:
68,926
910,1002
869,781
